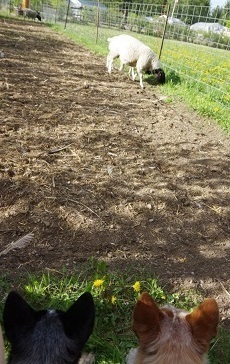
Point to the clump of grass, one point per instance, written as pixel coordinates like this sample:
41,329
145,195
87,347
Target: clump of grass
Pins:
114,295
220,349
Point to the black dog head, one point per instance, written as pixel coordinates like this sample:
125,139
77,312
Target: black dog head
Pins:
47,336
39,16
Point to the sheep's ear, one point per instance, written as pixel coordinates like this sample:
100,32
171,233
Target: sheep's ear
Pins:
146,319
204,322
78,321
18,316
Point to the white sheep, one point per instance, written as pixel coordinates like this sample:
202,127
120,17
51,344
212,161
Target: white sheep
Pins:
32,14
28,13
134,53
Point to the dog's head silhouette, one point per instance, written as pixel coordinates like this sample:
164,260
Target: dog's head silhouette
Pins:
47,336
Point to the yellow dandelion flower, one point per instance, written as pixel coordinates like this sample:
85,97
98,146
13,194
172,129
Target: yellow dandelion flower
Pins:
98,283
113,299
216,109
137,286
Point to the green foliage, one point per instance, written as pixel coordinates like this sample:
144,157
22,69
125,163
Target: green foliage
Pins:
131,2
222,12
36,4
220,347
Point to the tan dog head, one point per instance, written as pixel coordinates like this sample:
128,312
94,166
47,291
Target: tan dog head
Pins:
168,335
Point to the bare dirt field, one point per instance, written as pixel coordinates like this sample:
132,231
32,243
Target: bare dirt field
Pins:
93,166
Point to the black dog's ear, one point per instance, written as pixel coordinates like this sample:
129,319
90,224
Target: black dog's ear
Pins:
18,316
78,321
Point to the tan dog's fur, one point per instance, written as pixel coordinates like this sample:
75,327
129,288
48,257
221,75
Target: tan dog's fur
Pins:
86,358
172,336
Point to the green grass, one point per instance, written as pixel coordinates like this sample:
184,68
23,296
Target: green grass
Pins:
196,74
114,300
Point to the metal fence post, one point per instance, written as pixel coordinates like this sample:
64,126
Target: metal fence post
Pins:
98,19
67,13
163,35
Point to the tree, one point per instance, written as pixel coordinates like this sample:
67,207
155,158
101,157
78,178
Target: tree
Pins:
222,14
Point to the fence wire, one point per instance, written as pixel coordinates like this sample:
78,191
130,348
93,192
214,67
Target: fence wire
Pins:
197,39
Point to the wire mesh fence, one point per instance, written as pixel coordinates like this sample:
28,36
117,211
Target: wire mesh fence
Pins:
197,38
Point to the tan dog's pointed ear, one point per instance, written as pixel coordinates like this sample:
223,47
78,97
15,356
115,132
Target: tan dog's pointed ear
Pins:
204,322
146,319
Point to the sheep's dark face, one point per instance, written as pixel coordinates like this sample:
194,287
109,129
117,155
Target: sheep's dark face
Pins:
39,17
160,75
148,72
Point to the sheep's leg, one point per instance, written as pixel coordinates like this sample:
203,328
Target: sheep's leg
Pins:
134,75
121,67
139,71
109,63
141,79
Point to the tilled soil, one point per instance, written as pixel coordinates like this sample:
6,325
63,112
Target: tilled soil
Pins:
94,166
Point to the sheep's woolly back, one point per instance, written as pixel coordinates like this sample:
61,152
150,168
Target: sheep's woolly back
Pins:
30,13
130,50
